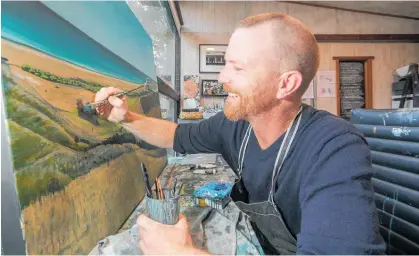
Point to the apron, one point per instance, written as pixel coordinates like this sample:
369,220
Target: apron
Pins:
266,219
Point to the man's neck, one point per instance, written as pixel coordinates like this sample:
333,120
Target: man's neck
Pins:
270,125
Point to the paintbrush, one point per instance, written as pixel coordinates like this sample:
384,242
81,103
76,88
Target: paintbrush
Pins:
174,187
146,181
104,102
169,180
161,196
156,188
179,191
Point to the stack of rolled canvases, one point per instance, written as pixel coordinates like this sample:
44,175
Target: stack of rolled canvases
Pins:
393,137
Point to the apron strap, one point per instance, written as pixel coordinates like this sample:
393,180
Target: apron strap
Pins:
282,155
243,148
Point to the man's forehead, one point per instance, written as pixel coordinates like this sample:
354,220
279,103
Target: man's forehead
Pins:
246,43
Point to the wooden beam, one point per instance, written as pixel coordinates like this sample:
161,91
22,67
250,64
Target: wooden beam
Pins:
360,58
354,38
175,15
179,13
352,10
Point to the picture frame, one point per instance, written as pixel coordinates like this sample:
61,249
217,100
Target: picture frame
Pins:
211,57
211,87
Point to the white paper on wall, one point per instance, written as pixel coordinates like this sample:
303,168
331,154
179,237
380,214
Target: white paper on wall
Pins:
326,84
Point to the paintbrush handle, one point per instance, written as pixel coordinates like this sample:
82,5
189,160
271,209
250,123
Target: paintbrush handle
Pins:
104,102
118,95
179,191
146,180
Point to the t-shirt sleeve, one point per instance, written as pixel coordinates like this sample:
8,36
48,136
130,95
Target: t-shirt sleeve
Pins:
202,137
338,214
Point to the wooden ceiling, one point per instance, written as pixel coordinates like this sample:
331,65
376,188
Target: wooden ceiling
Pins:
402,9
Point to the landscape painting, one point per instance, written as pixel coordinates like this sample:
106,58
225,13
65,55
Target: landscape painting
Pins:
77,175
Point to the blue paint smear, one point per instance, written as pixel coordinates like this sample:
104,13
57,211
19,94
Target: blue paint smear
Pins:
213,190
35,25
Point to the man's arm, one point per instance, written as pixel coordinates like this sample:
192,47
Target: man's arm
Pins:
204,137
155,131
338,214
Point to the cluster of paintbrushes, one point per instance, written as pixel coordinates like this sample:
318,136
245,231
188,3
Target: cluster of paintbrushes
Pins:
161,192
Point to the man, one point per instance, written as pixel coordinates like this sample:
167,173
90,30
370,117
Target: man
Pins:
304,176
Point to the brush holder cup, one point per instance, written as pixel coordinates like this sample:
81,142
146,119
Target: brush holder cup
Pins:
165,211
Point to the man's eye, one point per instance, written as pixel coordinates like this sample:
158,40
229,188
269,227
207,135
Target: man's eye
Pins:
238,68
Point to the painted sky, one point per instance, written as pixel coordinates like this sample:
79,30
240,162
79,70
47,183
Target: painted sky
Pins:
35,25
112,24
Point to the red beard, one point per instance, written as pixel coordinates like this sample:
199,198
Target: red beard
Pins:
241,106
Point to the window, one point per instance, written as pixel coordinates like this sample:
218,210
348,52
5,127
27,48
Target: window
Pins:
156,18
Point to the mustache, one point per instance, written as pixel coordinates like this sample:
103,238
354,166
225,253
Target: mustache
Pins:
227,88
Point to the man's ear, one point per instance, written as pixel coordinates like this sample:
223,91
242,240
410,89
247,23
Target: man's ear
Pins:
289,83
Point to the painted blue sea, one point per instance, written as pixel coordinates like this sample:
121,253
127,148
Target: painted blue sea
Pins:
35,25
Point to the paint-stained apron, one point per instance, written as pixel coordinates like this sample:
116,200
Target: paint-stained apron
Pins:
265,216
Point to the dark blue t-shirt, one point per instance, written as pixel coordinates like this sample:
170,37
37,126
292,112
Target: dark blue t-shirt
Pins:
324,189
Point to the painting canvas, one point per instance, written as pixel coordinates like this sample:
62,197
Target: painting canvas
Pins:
77,175
211,58
212,88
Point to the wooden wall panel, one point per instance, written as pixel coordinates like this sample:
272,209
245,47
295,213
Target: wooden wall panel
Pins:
197,16
319,20
209,16
388,57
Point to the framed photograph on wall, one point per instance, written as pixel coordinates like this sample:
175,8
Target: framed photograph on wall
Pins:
211,57
212,88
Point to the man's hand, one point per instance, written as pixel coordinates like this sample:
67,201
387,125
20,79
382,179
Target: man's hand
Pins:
117,108
157,238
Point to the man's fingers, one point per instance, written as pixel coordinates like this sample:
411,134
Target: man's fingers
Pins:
182,223
114,101
146,223
107,109
142,233
104,93
181,216
100,110
142,246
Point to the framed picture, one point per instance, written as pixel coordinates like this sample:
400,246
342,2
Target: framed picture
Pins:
212,88
211,57
191,94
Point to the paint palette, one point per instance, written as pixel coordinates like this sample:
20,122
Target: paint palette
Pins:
215,194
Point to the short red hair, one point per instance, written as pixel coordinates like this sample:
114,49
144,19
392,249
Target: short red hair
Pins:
295,45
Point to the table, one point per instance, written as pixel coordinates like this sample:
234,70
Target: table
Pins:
191,182
225,232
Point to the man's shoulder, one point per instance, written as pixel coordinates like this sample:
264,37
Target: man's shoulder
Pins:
323,127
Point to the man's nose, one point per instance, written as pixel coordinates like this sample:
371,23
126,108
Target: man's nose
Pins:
222,77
